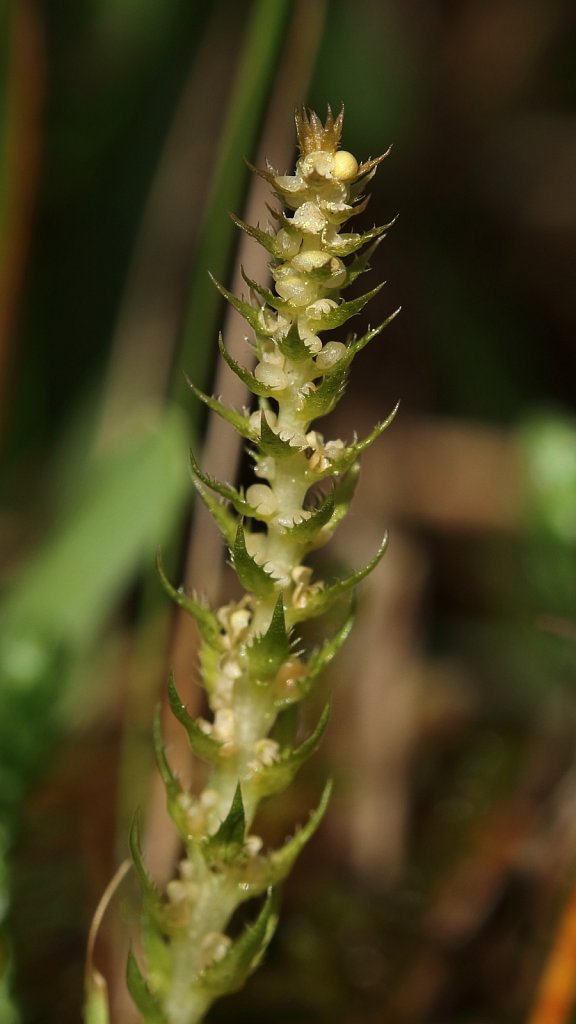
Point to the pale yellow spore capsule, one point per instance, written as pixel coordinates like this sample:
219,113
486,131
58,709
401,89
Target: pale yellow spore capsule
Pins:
345,166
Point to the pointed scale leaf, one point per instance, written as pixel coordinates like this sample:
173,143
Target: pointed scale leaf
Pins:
266,240
352,452
252,576
258,874
340,314
247,378
280,862
157,953
150,893
358,344
141,994
225,491
207,622
277,777
244,955
292,345
360,264
239,420
206,748
344,490
280,305
225,520
346,244
320,601
228,841
306,531
268,652
317,663
250,314
327,395
171,783
271,443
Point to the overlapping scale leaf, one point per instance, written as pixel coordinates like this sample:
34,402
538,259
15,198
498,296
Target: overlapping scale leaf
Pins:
151,895
275,778
268,652
204,616
203,745
292,345
306,532
280,862
142,995
252,383
228,842
343,312
265,238
244,955
271,443
252,576
250,314
326,396
239,420
320,601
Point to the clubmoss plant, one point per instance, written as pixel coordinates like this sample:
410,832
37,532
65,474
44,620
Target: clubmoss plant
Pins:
253,665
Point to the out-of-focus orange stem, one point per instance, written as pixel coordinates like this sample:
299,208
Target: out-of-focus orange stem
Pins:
556,993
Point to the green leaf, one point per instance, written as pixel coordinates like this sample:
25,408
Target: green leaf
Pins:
277,777
358,344
141,994
344,490
252,576
228,841
226,522
65,592
326,396
243,957
338,316
239,420
268,652
265,239
292,346
247,378
150,893
250,314
346,244
352,452
280,305
225,491
308,529
318,661
281,861
171,783
360,264
157,953
206,748
320,601
321,658
272,444
205,617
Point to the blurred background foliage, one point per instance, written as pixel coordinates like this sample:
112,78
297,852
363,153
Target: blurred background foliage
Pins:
435,890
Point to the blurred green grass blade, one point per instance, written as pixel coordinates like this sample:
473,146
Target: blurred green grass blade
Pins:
128,505
256,69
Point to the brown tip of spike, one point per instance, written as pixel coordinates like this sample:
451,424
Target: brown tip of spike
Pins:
313,136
